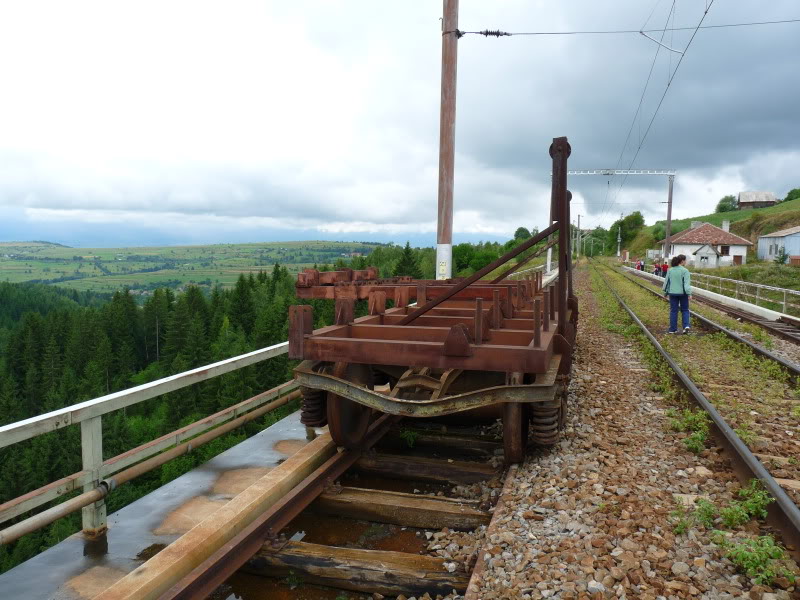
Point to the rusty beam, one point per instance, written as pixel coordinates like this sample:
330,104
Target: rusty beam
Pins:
524,262
485,357
481,273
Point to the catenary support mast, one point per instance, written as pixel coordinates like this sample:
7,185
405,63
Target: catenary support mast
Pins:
668,172
447,135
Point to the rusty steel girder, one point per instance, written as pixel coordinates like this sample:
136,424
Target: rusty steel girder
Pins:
309,374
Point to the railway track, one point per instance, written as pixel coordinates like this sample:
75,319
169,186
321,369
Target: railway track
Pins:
748,464
404,517
709,324
787,328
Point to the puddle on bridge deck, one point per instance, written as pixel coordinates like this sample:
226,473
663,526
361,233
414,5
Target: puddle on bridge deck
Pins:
251,587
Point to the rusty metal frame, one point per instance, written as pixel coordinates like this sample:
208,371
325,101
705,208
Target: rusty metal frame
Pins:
308,376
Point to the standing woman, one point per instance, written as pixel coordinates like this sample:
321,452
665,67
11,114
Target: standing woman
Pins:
678,288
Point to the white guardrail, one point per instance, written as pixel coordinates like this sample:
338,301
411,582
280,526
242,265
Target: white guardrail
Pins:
754,293
89,415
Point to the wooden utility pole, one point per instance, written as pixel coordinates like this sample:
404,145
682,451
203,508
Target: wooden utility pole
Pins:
668,230
447,139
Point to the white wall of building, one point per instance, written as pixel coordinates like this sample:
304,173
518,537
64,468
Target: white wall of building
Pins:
689,249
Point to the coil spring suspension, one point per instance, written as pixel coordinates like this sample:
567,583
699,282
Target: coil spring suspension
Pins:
313,412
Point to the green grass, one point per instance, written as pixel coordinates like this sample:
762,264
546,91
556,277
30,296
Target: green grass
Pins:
143,268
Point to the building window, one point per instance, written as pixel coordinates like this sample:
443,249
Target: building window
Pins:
725,250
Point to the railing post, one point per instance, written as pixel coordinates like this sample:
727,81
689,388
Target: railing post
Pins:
94,515
784,303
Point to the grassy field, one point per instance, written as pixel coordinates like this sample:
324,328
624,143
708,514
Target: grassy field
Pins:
142,269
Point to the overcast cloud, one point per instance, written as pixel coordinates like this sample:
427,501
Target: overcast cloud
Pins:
196,121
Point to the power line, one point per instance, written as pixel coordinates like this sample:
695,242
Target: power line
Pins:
499,33
664,95
639,107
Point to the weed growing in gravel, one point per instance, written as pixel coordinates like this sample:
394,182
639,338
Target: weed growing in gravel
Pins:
744,432
681,519
734,515
755,499
796,411
706,513
753,504
762,337
696,442
694,422
759,558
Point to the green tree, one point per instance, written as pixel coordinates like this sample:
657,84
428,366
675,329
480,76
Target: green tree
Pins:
522,233
727,204
242,311
408,264
793,194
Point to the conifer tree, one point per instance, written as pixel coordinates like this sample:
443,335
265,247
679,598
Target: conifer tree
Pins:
242,312
408,264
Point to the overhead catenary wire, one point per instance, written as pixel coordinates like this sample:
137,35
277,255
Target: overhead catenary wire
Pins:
664,95
498,33
605,207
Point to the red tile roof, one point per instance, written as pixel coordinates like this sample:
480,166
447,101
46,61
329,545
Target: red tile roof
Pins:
709,234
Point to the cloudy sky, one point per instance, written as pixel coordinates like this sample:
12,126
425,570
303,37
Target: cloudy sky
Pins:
177,122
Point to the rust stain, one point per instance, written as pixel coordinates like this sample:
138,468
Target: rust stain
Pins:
189,514
233,482
289,447
94,580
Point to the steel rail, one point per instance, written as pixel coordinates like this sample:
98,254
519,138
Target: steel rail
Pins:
223,563
790,366
783,513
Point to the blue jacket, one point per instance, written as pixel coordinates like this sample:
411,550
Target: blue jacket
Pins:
678,281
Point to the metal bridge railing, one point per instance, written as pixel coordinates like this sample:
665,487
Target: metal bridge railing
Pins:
96,473
767,296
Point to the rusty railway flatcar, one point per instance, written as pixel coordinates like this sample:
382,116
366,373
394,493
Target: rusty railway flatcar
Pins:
500,347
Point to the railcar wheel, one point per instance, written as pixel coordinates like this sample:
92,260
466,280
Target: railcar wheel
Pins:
515,431
347,420
546,422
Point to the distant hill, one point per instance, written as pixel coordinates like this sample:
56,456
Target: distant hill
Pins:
33,243
747,223
142,269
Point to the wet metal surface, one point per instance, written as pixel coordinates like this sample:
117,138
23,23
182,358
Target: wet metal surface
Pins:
75,570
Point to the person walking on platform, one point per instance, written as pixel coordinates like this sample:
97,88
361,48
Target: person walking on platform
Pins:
657,269
664,268
678,288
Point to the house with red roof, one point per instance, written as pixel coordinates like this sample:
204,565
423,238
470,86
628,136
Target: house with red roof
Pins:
705,240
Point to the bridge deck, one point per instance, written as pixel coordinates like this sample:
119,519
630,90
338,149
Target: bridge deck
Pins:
76,570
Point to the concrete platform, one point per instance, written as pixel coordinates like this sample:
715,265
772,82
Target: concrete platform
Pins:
78,570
